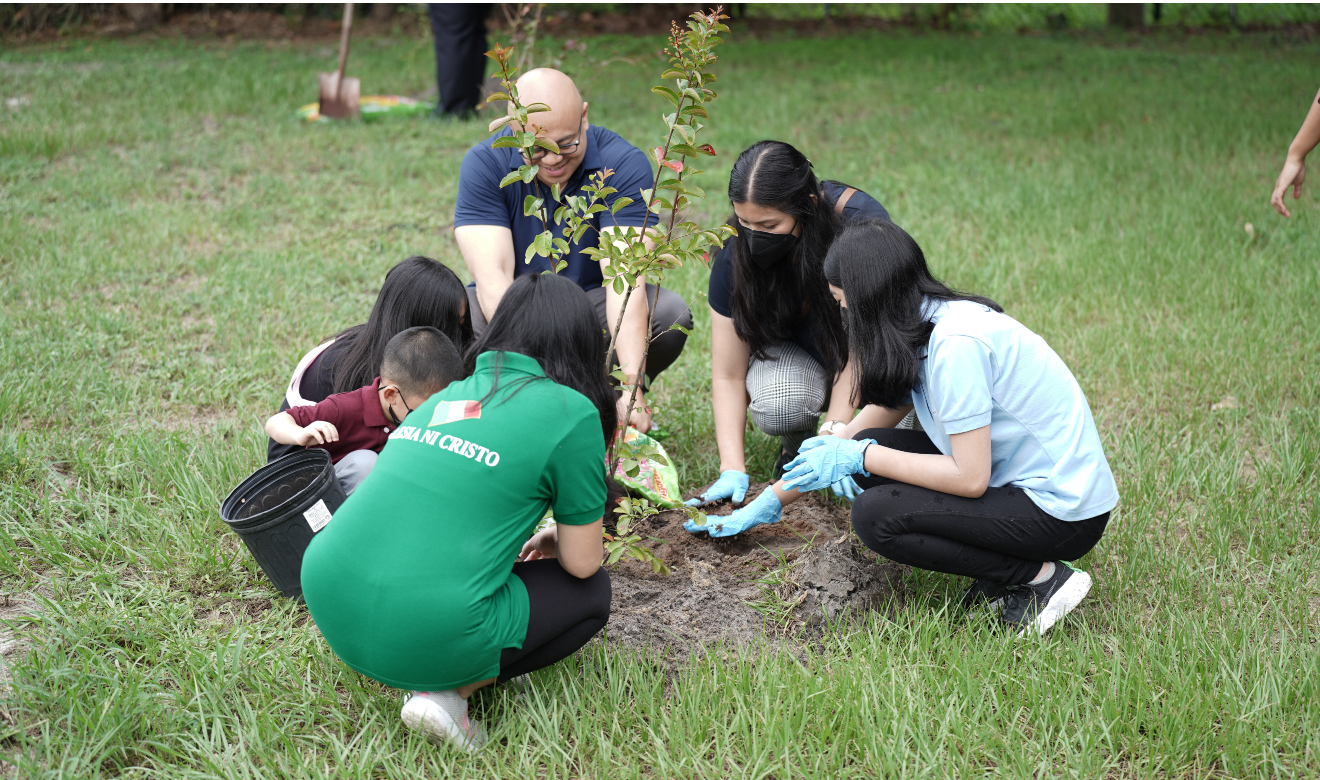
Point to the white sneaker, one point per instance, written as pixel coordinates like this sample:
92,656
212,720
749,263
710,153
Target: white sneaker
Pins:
423,714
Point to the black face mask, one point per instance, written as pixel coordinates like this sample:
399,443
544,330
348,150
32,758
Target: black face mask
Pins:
767,249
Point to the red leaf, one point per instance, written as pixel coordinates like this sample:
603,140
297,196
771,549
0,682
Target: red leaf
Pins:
708,149
673,165
658,153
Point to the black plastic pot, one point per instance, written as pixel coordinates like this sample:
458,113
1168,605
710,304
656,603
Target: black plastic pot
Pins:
280,508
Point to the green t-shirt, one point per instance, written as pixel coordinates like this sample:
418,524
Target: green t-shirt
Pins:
411,582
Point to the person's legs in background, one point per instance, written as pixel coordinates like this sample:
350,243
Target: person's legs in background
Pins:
353,468
459,33
787,392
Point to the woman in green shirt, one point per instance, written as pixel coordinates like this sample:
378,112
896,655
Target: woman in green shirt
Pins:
414,581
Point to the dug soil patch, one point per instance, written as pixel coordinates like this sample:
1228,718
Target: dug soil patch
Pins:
766,584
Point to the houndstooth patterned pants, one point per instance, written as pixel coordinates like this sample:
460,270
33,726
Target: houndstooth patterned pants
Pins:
788,392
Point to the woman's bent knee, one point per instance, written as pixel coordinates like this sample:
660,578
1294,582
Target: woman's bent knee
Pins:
876,528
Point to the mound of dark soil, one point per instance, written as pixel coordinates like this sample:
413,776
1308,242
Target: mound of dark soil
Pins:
809,565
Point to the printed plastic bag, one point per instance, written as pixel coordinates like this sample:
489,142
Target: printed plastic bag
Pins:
657,481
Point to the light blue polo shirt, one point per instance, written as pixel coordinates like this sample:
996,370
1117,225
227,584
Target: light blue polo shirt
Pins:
985,368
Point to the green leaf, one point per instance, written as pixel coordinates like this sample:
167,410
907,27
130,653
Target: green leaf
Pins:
620,203
681,329
615,556
505,142
548,145
498,96
695,191
530,253
674,73
531,205
542,243
667,94
555,191
537,108
695,111
560,265
501,122
527,173
685,150
511,178
619,285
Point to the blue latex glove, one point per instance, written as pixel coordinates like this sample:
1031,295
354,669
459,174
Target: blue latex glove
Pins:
824,460
731,484
847,488
763,509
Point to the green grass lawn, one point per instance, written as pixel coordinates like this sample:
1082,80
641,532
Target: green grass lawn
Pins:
172,240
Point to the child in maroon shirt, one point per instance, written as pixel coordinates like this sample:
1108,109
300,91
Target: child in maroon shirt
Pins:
354,426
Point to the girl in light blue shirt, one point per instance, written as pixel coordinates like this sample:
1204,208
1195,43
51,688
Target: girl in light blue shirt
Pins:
1007,482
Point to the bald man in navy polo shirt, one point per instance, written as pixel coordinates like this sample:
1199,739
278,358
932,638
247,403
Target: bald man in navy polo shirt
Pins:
493,234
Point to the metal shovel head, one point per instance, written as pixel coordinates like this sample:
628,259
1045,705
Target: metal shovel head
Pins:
339,101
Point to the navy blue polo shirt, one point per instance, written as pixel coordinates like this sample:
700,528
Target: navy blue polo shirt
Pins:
481,201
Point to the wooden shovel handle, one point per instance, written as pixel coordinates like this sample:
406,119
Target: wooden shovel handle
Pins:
343,47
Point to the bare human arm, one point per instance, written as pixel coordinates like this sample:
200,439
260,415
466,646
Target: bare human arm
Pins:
964,473
488,252
1294,165
728,382
286,430
874,416
842,406
631,343
579,548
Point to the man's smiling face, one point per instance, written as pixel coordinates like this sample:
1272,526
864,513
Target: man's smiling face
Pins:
565,123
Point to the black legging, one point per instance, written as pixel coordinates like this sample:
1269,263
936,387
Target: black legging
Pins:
1001,536
566,612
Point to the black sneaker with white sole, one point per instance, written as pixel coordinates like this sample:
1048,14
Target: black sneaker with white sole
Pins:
1033,609
985,592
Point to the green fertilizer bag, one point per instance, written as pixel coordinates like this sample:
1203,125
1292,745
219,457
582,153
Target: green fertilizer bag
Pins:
655,480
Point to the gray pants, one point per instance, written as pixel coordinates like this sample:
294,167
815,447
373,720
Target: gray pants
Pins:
353,468
666,343
789,391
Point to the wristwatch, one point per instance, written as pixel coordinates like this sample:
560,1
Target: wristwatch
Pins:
831,427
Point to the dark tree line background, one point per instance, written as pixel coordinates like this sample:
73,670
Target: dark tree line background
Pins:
23,19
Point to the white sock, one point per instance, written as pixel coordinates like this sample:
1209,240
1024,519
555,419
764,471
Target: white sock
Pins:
449,701
1042,579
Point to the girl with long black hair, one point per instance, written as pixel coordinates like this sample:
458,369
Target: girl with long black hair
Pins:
417,292
413,583
1007,481
779,349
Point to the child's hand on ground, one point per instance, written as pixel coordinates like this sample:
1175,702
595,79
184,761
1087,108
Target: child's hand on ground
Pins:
319,432
544,544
